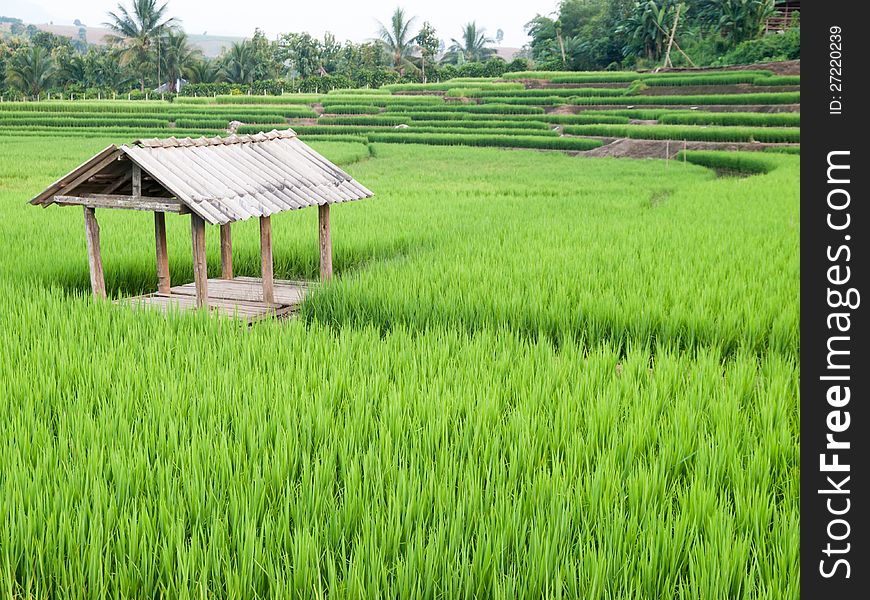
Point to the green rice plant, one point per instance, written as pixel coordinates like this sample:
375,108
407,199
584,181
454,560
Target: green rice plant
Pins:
740,118
628,76
480,123
526,380
745,163
252,99
364,120
584,117
778,80
66,121
506,109
575,77
646,114
688,132
352,109
724,78
356,139
542,142
381,100
754,98
66,106
201,123
125,134
477,82
550,100
358,91
783,149
534,93
198,100
443,128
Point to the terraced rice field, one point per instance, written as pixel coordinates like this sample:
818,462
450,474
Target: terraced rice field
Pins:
536,374
527,112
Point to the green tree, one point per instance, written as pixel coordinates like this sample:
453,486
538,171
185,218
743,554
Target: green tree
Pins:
397,40
70,66
472,47
646,28
737,20
581,34
428,43
177,57
30,70
102,69
240,63
265,54
136,31
203,71
301,53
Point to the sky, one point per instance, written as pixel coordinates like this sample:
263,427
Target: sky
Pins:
348,20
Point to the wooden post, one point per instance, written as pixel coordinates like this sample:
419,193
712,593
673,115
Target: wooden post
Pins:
325,243
266,259
137,181
95,261
163,283
226,252
200,270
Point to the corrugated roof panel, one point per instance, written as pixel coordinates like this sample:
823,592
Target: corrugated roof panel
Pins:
242,176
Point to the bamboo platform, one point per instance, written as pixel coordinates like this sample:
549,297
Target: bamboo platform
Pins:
239,297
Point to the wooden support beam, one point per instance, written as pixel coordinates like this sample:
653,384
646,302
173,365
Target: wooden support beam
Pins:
95,260
110,189
200,268
266,259
149,203
226,251
163,283
325,243
74,178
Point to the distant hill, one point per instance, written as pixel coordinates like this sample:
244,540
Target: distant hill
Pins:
210,45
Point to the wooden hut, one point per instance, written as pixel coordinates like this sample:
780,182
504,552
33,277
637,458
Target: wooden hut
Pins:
217,181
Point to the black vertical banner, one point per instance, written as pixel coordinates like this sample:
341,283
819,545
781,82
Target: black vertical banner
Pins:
834,339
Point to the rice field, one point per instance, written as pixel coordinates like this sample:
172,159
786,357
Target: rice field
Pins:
534,375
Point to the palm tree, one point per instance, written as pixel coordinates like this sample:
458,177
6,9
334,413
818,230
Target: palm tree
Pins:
136,33
473,45
203,71
240,63
397,40
30,70
177,57
646,28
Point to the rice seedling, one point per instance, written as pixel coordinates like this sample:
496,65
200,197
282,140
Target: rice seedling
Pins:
533,93
742,118
494,109
496,138
778,80
365,120
442,127
352,109
751,98
689,132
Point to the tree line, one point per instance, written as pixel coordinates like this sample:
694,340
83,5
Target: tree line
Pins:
148,49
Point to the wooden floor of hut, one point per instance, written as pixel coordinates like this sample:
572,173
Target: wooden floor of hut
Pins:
240,297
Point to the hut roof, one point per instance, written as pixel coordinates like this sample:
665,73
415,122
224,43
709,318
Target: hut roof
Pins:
220,179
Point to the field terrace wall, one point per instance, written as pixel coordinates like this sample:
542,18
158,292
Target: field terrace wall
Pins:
216,181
